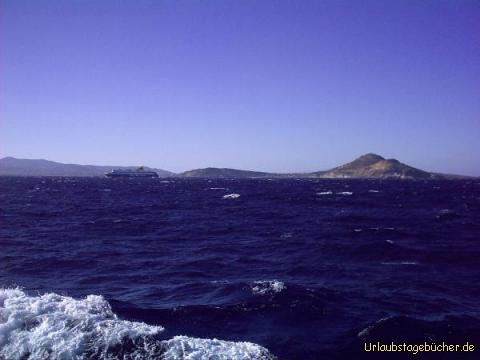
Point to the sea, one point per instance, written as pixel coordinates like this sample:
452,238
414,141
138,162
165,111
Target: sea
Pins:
230,269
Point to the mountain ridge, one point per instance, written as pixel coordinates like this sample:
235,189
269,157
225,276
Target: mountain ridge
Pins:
214,172
10,166
375,166
364,167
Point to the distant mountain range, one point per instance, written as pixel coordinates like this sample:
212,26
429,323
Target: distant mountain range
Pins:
366,166
27,167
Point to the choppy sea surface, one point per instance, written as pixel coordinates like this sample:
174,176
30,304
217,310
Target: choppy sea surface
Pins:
236,269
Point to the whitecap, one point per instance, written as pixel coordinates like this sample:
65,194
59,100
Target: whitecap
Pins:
345,193
218,188
373,191
389,241
221,282
231,196
267,287
183,347
366,332
324,193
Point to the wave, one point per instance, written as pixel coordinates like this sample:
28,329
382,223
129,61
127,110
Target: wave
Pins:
53,326
399,328
231,196
183,347
267,287
446,214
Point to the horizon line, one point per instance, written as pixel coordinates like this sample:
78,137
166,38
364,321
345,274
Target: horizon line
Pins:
235,168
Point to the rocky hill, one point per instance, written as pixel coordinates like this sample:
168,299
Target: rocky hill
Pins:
212,172
375,166
366,166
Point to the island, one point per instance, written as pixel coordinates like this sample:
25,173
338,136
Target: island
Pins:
368,166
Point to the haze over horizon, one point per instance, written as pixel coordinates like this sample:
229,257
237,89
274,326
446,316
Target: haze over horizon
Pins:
277,86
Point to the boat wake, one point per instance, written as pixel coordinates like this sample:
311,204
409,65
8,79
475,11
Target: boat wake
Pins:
52,326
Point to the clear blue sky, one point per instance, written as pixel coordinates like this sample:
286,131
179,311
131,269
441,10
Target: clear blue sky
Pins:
265,85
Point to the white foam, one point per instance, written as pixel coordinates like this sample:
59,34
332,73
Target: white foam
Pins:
373,191
61,327
52,326
267,287
324,193
183,347
366,332
345,193
389,241
231,196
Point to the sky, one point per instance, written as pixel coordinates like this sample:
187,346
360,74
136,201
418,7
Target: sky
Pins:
271,85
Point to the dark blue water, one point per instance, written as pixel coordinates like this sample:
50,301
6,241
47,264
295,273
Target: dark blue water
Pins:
308,269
